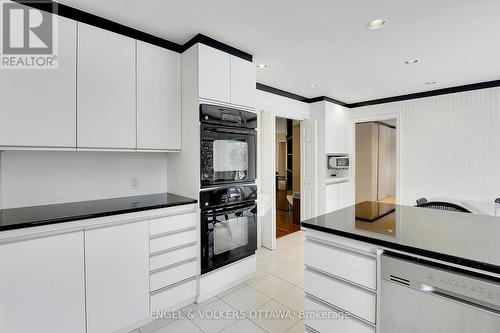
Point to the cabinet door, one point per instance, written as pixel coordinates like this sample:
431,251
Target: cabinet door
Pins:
332,198
158,98
243,81
39,106
117,269
42,286
106,89
214,74
346,197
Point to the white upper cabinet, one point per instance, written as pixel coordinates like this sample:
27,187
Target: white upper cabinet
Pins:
39,106
225,78
106,110
337,129
214,74
158,98
243,79
42,286
117,276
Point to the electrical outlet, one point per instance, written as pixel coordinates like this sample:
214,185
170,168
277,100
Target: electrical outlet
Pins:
134,183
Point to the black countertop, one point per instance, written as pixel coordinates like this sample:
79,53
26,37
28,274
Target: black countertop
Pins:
465,239
25,217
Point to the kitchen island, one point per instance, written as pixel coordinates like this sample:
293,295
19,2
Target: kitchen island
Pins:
379,262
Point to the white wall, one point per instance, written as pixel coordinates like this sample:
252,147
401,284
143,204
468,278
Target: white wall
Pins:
38,178
449,145
282,106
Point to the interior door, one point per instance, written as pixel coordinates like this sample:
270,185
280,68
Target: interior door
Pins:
268,178
309,172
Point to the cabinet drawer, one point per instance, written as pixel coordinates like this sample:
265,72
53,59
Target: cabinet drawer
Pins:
351,266
171,298
164,278
170,241
172,223
360,302
321,325
172,257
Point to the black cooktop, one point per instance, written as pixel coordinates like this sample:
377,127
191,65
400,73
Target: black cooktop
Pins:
471,240
25,217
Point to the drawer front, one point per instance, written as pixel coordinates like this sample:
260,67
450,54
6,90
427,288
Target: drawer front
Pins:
350,325
351,266
359,302
171,298
172,275
172,257
172,223
170,241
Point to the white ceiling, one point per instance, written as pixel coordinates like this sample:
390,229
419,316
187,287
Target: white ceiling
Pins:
326,42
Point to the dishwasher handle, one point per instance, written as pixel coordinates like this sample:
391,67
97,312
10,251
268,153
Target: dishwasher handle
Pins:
472,302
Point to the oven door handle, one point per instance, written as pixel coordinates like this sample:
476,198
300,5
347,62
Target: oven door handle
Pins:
229,130
230,211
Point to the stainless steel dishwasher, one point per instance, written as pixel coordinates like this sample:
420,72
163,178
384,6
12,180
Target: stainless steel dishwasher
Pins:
423,298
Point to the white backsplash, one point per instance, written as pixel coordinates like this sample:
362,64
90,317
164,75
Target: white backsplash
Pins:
29,178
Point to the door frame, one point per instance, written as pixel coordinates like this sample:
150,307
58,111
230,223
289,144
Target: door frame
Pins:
356,121
273,185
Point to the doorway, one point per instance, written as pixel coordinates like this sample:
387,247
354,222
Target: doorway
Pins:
287,170
376,161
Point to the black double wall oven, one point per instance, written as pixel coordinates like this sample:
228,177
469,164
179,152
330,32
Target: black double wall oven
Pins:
228,151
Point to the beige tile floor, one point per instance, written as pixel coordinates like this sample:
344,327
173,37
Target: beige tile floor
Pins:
276,287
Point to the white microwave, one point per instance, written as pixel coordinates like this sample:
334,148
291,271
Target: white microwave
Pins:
338,162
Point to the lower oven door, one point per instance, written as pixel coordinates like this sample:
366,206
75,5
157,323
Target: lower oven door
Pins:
227,235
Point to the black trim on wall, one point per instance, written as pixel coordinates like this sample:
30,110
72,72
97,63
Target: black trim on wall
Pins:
100,22
283,93
444,91
200,38
327,99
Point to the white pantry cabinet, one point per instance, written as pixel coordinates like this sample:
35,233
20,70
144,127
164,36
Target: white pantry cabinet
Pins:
158,98
106,110
42,286
39,106
225,78
117,276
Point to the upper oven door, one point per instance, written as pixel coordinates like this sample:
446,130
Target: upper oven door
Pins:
228,155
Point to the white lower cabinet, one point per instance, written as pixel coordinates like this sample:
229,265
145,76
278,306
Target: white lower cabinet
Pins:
340,276
173,261
337,323
42,286
170,298
117,276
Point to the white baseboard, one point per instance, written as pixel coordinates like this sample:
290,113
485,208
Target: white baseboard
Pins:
220,280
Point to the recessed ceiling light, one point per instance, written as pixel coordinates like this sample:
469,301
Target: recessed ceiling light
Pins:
262,66
411,61
375,24
431,82
313,86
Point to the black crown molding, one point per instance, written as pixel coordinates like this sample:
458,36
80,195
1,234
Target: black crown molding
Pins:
282,93
100,22
431,93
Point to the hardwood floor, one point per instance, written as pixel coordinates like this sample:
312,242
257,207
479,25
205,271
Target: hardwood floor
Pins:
283,227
